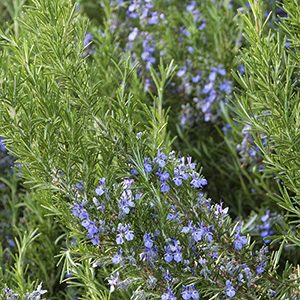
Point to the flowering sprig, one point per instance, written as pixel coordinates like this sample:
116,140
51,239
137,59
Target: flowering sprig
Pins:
249,152
163,212
204,82
266,225
35,295
172,231
6,160
208,91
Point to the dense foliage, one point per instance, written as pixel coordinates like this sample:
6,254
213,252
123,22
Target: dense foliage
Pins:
149,149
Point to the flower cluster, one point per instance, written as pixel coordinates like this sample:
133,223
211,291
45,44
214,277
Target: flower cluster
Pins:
137,27
91,226
250,154
35,295
173,252
208,90
240,241
203,83
266,227
2,145
159,218
6,160
189,292
6,170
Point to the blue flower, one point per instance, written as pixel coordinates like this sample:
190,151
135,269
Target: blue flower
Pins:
191,50
221,70
208,87
189,228
173,252
79,211
163,176
198,182
177,256
229,290
260,269
148,51
95,240
164,187
161,159
154,18
226,86
186,32
169,295
79,185
226,128
196,79
119,239
266,227
241,69
248,272
102,181
272,293
99,206
177,180
148,242
213,75
87,39
168,256
220,211
198,234
117,258
149,254
36,295
120,2
168,276
11,243
114,281
147,165
90,227
147,84
100,189
151,282
239,242
128,233
181,72
132,36
202,25
126,201
202,261
189,292
191,6
124,232
134,172
174,215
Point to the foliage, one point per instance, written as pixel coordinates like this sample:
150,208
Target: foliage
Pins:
90,111
269,101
